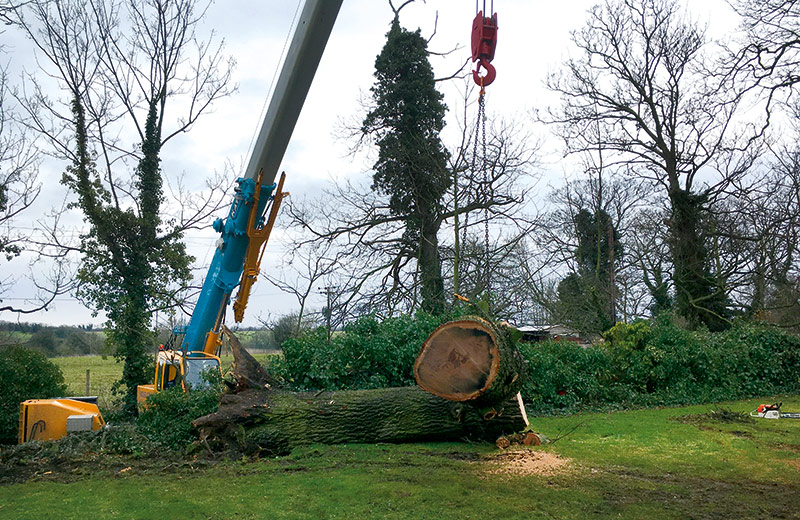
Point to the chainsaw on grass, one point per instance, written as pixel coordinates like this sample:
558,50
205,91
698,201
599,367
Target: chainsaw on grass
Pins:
772,411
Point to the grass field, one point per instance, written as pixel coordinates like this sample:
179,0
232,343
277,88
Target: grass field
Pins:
653,463
102,374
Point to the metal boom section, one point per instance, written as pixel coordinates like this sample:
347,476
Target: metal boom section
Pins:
249,203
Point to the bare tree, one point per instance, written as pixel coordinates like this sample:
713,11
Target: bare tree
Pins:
303,274
641,79
19,189
762,237
134,75
487,206
372,264
770,54
648,251
19,186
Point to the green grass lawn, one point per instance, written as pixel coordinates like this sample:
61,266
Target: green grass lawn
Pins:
653,464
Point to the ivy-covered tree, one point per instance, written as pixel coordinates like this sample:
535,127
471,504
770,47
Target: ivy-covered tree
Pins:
405,122
587,297
641,79
121,64
128,267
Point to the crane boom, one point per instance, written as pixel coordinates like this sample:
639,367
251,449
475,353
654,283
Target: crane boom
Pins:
308,43
305,52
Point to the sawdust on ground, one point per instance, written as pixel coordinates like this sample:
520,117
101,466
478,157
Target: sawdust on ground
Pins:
524,462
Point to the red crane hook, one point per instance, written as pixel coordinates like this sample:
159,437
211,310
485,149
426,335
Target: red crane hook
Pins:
484,42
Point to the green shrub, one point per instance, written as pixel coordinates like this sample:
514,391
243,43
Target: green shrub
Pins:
564,375
661,363
167,420
367,354
628,336
756,359
24,374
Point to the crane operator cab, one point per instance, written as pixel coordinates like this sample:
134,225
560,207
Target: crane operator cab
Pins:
175,368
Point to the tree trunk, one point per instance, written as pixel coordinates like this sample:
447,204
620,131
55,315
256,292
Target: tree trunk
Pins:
269,422
261,419
698,296
470,360
430,264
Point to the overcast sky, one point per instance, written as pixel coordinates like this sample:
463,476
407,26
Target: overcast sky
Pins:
533,40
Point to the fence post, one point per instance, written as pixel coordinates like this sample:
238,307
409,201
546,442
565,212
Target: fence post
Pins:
88,382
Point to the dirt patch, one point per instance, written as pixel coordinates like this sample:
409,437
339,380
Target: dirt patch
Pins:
722,415
524,462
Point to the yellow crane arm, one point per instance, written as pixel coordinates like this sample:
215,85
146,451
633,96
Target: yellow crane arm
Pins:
258,235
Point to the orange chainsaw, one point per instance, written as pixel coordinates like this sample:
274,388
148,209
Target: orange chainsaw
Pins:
772,411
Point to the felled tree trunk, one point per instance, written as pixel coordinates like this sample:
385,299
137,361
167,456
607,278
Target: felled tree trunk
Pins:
473,360
263,419
273,422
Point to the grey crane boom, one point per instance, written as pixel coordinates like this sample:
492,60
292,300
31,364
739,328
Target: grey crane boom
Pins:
313,29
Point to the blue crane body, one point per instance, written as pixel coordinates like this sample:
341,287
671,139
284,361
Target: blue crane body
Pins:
245,230
226,268
313,28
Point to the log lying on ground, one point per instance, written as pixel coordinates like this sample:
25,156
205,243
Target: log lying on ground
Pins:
470,359
273,422
263,419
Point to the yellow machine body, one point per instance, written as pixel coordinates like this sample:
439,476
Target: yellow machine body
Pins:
175,369
46,419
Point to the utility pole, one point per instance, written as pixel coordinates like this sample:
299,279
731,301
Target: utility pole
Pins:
329,292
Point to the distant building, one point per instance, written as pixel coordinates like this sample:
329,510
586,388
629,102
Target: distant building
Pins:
537,333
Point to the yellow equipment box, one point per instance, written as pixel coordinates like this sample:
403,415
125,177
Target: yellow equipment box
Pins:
50,419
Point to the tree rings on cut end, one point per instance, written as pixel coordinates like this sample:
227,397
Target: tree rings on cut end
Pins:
459,360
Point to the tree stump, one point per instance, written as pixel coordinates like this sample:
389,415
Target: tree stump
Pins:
471,359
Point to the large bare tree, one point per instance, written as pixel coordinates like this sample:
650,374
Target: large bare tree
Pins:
641,78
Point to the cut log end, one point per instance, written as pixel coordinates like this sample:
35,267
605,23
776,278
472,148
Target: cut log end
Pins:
473,360
459,360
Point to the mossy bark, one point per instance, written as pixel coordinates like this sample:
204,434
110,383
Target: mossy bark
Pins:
270,422
260,418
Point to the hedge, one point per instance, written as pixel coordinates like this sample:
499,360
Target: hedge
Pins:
642,363
662,364
367,354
